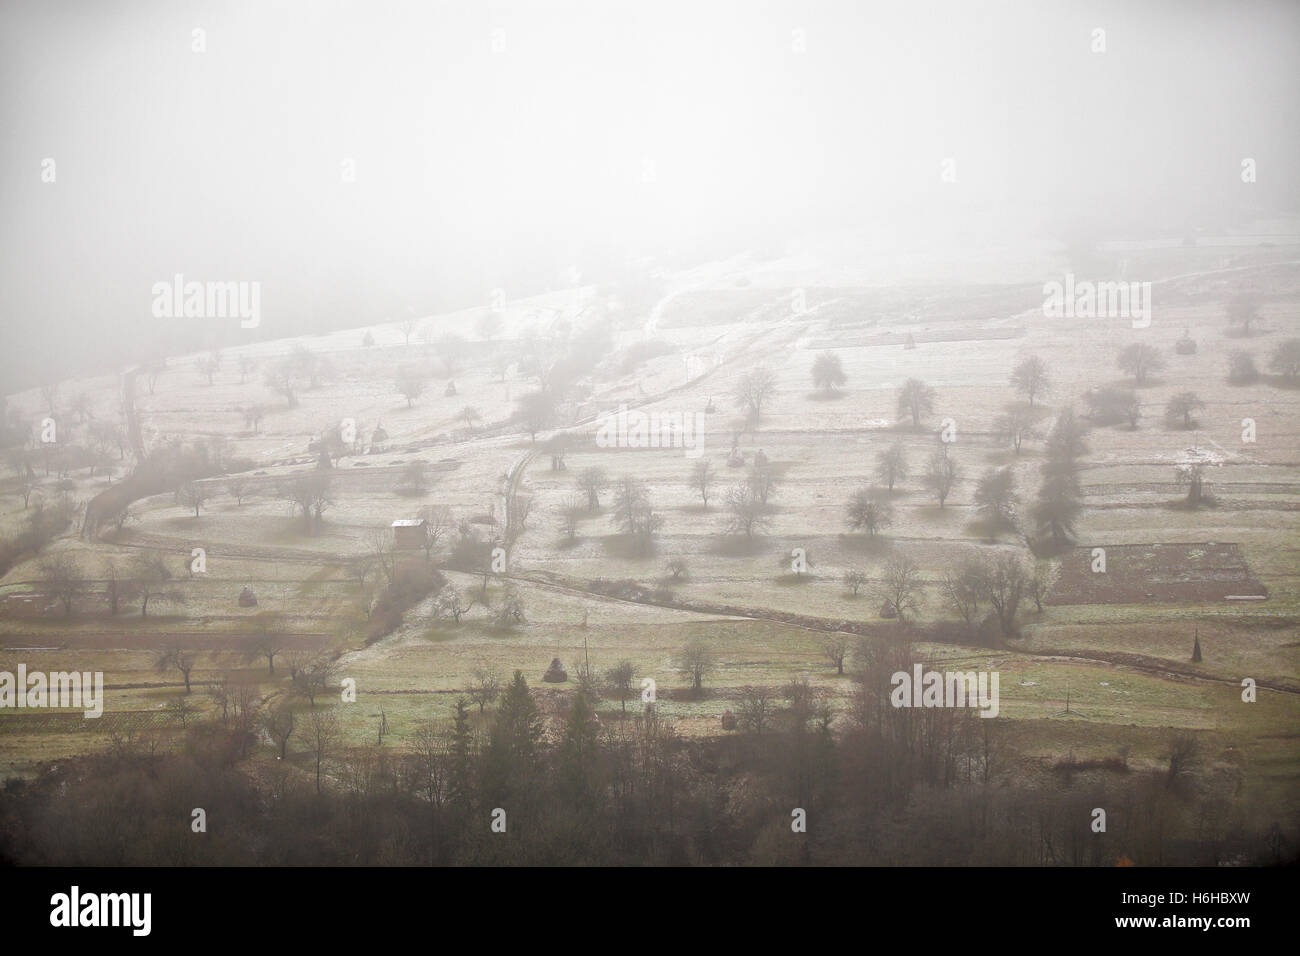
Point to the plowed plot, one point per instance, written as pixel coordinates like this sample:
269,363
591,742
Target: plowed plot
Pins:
1156,574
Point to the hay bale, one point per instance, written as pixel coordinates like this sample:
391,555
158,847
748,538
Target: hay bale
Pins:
555,674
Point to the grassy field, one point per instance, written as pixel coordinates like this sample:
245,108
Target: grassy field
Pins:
1124,667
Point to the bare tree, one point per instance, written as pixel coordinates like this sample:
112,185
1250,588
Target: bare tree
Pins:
962,590
753,390
891,465
239,488
1242,310
1004,582
702,479
284,377
315,677
176,658
622,676
1141,361
1030,378
748,513
534,412
592,482
63,580
268,640
484,687
1040,585
469,415
280,722
696,662
149,570
193,494
868,513
323,734
1192,474
410,383
828,372
941,473
756,709
1181,407
1015,426
854,580
902,586
571,511
407,326
253,416
915,398
451,604
310,495
438,524
837,649
996,498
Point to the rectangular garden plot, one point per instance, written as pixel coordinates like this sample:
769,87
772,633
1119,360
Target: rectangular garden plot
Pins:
1156,574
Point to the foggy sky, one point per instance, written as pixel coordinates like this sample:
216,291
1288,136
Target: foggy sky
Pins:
479,168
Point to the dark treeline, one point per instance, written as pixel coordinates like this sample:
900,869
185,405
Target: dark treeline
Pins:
878,785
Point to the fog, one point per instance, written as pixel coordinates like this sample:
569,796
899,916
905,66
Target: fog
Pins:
368,160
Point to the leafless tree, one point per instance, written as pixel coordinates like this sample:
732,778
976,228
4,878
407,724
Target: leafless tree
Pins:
591,482
753,391
696,662
702,479
268,640
837,649
571,512
193,494
1015,426
284,377
1030,378
756,709
854,580
1141,361
410,383
484,687
438,525
828,372
239,488
915,398
941,473
748,513
323,734
280,723
63,580
868,513
150,572
310,495
315,677
902,586
621,677
891,465
176,658
1181,407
